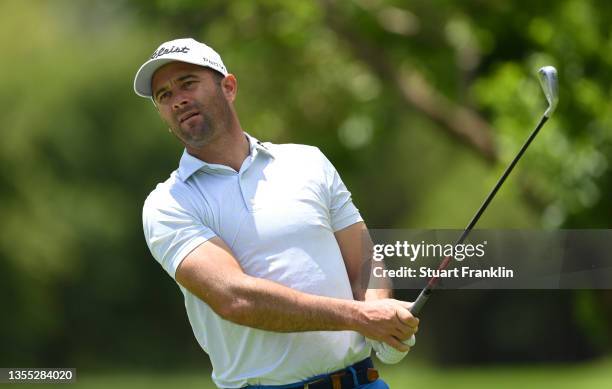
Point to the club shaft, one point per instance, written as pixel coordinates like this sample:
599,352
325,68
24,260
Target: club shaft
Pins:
431,284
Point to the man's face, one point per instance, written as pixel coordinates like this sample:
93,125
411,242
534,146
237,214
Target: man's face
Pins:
191,101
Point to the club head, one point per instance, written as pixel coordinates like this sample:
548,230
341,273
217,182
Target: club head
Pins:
550,85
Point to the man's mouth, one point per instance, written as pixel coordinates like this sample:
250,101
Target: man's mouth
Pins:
187,116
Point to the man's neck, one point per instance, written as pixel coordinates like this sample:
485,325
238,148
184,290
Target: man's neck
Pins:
230,148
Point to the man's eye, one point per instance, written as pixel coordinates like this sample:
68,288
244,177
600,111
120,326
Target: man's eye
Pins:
188,84
164,96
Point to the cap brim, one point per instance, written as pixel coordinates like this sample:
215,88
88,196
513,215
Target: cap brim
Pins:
144,75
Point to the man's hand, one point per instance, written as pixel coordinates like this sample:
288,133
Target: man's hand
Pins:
388,321
388,354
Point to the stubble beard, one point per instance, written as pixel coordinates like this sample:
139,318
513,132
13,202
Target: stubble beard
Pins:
215,121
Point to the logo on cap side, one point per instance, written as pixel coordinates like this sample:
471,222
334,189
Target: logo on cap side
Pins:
174,49
213,63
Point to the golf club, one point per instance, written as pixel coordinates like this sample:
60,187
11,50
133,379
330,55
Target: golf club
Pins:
549,82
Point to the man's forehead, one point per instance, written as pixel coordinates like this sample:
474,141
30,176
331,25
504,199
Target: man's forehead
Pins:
174,70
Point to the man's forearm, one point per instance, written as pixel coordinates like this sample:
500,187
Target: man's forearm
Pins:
361,293
267,305
357,251
378,294
212,274
270,306
384,287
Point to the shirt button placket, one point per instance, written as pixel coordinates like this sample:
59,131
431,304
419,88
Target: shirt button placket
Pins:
248,202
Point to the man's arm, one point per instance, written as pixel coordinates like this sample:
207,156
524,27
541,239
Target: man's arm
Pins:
357,248
213,274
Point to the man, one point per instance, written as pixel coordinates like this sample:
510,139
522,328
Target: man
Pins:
262,239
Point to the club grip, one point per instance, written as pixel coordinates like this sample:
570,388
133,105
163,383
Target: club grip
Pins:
420,301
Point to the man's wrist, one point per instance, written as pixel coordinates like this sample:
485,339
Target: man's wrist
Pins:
354,318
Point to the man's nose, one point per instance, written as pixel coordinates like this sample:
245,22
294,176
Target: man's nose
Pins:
180,100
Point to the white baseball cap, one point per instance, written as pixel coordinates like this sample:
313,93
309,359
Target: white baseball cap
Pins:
183,50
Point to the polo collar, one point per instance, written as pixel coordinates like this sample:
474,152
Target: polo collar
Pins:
190,164
256,146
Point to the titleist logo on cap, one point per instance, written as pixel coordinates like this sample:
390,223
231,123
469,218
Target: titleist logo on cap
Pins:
163,51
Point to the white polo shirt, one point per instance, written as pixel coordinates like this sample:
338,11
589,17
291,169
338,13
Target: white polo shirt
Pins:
278,215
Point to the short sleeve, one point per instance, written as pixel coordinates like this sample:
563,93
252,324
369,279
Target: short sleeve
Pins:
172,230
343,212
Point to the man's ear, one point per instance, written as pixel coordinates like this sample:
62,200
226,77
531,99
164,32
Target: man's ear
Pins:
229,86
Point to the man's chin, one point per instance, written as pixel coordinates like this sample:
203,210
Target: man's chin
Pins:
196,142
195,135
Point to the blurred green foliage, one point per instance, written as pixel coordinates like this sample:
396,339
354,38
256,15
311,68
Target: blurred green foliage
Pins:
419,106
